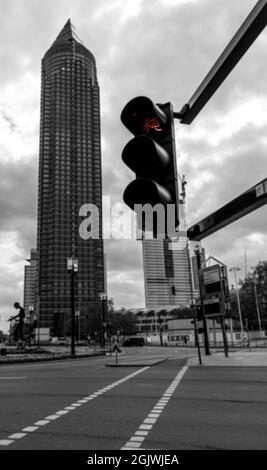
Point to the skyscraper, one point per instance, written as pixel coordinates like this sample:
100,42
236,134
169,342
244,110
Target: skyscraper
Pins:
69,176
170,269
167,274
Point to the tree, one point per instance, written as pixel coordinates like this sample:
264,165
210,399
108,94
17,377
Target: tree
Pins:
252,289
123,321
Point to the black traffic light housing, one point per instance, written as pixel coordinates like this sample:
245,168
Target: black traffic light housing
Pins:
151,154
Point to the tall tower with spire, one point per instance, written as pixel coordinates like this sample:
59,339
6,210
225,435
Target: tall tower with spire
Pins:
69,176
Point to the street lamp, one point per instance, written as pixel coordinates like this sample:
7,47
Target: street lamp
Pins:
103,298
30,318
234,270
72,266
256,298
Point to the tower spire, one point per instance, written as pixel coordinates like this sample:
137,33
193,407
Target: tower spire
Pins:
67,34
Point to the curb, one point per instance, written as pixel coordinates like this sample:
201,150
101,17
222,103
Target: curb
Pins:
47,358
136,365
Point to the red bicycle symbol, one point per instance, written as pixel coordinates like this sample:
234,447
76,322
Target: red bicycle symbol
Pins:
152,123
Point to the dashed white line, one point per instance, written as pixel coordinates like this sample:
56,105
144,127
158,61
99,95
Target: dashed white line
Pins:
30,428
17,435
42,422
137,439
58,414
5,442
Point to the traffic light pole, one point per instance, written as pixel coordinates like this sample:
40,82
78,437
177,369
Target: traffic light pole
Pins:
204,320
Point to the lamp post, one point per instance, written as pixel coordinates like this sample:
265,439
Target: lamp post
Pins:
72,265
30,318
234,270
103,298
256,299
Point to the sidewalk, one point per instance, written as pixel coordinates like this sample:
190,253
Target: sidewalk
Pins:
47,353
238,358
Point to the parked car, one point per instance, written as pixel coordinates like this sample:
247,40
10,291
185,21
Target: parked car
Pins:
134,342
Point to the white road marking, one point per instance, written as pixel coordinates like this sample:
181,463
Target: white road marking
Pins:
52,417
137,439
42,422
12,378
17,435
67,409
5,442
30,428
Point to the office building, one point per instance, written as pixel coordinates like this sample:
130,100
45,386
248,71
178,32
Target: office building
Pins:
69,177
170,269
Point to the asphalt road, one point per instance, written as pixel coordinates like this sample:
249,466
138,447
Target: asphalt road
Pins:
82,404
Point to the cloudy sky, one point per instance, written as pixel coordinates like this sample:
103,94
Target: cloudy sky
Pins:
158,48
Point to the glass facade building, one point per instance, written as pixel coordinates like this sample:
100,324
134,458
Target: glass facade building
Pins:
69,176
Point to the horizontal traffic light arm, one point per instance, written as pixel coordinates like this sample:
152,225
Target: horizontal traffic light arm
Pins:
240,43
247,202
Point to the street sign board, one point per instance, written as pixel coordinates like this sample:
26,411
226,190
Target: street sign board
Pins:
214,290
211,280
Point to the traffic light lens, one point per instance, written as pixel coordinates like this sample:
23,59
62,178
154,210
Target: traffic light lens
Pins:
146,191
141,115
145,157
153,124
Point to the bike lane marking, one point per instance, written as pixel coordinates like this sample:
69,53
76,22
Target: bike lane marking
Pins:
58,414
142,432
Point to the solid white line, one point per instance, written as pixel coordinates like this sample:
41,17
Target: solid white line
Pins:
134,441
66,410
12,378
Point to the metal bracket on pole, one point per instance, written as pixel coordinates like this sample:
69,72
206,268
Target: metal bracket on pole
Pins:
239,44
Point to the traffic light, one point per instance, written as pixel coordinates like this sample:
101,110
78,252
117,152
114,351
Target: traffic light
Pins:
151,155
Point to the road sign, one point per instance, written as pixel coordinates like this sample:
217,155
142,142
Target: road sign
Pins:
116,347
214,290
211,280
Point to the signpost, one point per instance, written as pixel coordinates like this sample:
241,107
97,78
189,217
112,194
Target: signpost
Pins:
215,293
117,350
